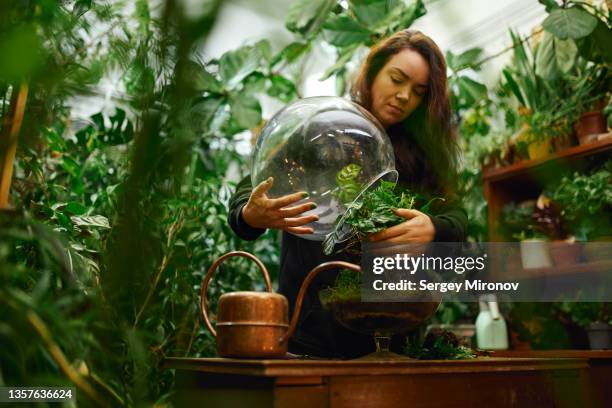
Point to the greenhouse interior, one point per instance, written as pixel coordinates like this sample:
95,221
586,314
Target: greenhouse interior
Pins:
306,203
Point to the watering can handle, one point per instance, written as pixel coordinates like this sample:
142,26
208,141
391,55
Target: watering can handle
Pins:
209,275
309,278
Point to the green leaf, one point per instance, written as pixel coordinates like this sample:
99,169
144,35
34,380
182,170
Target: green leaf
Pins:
236,65
401,17
565,54
55,140
21,50
414,11
91,221
546,66
246,110
291,52
306,16
75,208
596,46
254,83
371,12
205,110
343,31
71,166
282,88
450,60
467,58
343,58
471,90
549,4
573,23
202,80
139,79
513,86
264,48
554,56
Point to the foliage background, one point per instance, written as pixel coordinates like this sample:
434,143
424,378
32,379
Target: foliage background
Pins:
117,218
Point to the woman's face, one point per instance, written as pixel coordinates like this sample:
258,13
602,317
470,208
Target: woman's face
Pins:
399,87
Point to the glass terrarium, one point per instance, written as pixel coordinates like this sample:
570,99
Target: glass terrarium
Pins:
329,147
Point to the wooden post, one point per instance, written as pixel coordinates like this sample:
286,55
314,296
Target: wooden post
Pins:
9,134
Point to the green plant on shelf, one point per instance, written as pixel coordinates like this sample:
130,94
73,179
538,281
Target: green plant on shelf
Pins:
540,219
585,313
586,201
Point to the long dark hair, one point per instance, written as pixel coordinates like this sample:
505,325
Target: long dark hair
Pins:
426,151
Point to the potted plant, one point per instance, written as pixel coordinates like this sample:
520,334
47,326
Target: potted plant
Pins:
517,222
595,318
547,218
586,203
489,149
533,141
589,88
542,109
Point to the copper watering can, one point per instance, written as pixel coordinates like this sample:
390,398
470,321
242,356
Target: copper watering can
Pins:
256,324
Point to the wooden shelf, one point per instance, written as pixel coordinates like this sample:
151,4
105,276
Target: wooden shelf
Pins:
525,180
574,269
528,165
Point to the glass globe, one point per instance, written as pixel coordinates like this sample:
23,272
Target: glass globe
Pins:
329,147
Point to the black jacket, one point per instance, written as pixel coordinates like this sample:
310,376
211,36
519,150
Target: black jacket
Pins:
318,333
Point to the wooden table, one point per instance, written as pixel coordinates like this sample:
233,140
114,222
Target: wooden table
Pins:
485,381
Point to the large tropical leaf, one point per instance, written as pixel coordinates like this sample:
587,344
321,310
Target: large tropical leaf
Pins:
555,56
596,46
573,23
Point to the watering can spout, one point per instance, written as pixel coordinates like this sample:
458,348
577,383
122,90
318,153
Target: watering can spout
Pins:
306,284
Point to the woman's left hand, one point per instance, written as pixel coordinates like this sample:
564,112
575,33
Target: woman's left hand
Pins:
417,229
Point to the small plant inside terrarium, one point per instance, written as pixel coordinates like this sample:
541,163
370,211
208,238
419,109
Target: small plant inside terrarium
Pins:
381,319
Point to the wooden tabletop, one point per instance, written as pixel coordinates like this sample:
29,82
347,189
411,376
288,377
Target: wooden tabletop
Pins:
571,378
288,368
587,354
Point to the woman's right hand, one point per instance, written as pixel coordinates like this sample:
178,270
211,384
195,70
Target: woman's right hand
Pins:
263,212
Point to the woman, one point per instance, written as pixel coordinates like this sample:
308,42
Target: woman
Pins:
403,84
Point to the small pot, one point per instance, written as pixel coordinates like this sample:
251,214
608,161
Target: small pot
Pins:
534,254
539,149
600,336
565,253
589,124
